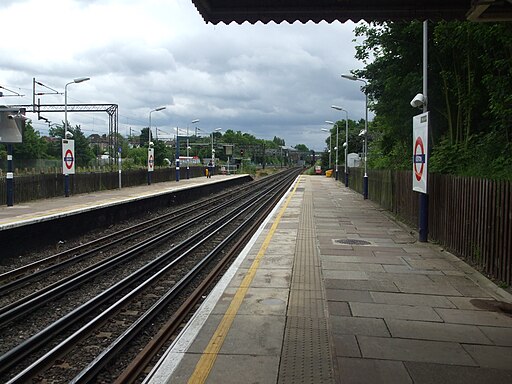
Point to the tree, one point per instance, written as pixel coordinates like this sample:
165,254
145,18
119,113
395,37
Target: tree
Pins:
83,152
301,148
469,92
143,137
278,141
32,147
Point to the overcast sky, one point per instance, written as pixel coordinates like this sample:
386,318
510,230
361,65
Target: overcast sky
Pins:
266,80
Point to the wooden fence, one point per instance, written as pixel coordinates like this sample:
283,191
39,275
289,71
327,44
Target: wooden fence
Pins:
45,186
471,217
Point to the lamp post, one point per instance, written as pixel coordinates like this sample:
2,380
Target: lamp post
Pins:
365,179
66,134
195,121
336,148
213,150
151,151
345,145
330,144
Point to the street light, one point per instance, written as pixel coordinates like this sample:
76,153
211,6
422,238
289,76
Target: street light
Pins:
330,144
336,148
66,133
345,145
365,179
213,150
195,121
151,151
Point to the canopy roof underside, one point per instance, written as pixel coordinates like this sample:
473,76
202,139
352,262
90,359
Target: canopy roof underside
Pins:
252,11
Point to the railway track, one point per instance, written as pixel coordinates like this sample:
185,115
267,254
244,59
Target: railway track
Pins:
163,277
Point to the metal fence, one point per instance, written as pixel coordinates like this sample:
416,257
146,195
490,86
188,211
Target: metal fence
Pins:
471,217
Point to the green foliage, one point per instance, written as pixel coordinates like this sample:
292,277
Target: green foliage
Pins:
302,148
485,155
138,156
161,152
278,141
144,137
32,147
83,151
469,94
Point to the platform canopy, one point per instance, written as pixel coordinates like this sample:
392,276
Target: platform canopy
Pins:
252,11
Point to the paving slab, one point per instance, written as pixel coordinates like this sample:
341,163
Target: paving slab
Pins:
412,299
396,260
414,350
463,316
257,302
425,287
393,311
490,356
241,368
345,275
425,373
346,345
498,335
408,269
347,325
349,295
362,371
339,308
341,266
426,330
249,335
361,285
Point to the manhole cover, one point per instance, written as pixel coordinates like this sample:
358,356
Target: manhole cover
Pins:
352,242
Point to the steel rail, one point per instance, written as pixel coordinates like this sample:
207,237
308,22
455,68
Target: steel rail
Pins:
9,275
87,374
132,372
31,344
30,302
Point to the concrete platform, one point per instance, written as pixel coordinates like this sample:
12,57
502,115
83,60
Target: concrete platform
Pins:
332,290
50,209
51,222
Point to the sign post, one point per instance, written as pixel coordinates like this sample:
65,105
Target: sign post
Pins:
68,162
119,166
151,163
177,155
420,169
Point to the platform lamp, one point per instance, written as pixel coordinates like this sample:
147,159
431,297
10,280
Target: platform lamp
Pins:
330,144
195,121
68,135
345,145
336,148
151,150
365,179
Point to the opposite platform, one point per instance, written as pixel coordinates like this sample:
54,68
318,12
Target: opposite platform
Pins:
49,209
332,290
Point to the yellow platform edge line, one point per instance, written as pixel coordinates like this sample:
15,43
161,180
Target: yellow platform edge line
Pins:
209,355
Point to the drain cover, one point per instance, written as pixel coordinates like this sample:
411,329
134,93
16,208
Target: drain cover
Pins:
352,242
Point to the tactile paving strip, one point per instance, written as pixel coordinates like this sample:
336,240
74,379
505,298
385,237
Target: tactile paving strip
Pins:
306,355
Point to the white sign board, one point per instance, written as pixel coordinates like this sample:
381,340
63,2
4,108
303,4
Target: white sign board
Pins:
68,157
151,159
419,152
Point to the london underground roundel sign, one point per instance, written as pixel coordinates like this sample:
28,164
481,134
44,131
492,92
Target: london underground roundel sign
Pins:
419,158
151,159
420,150
68,157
